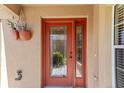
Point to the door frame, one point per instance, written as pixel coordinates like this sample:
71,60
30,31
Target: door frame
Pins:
72,20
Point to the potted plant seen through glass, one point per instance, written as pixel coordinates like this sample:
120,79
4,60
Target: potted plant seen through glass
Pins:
58,59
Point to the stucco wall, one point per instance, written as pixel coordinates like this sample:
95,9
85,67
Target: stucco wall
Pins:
108,48
104,46
26,55
5,13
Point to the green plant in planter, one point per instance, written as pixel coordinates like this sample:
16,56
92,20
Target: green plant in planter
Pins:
12,24
18,25
58,59
13,30
22,26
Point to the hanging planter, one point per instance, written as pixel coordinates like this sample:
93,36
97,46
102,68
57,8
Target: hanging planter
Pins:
25,35
19,28
15,34
13,30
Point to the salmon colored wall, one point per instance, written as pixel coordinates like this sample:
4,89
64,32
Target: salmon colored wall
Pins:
71,11
26,55
95,46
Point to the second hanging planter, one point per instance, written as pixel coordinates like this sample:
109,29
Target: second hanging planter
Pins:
15,34
25,35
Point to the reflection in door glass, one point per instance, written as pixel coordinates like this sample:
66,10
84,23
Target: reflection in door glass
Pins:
78,51
58,38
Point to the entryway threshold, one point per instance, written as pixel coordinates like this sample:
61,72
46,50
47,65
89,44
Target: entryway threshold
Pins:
58,87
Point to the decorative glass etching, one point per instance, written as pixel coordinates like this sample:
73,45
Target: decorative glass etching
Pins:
78,51
58,51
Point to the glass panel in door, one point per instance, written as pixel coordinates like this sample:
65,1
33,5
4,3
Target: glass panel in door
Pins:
79,51
58,37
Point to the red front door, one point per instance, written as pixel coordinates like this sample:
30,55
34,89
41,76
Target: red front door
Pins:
58,48
64,52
